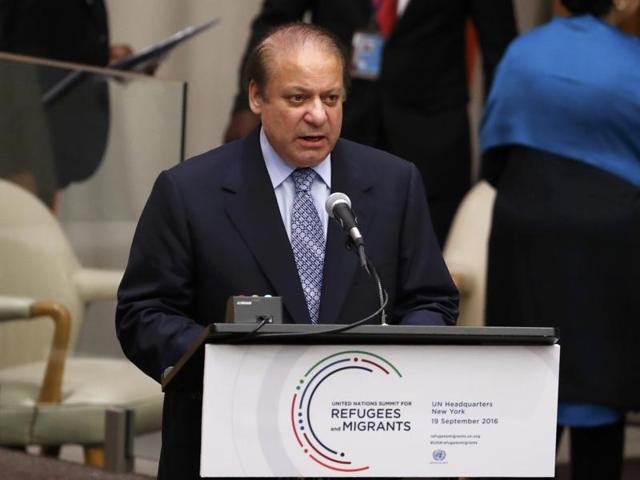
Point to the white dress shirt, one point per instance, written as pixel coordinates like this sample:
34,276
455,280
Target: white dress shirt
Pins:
285,190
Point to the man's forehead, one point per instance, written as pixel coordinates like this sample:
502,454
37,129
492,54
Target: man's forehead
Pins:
307,53
307,65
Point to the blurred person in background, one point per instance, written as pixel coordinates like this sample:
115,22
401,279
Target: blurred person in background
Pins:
409,92
561,143
71,148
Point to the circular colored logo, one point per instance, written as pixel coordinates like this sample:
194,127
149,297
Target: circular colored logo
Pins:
318,450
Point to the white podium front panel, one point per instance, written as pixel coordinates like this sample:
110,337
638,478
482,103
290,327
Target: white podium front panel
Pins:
370,411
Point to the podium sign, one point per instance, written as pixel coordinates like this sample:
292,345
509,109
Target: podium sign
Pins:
379,410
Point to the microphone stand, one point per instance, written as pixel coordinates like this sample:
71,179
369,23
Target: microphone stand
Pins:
365,263
371,270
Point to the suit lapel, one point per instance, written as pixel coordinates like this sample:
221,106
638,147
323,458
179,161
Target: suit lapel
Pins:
252,207
340,265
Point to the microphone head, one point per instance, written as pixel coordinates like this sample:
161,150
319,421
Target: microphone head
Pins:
335,199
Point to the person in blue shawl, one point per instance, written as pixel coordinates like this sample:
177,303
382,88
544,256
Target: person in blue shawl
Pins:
561,143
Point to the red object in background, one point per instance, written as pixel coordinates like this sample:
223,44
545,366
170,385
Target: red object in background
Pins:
386,15
471,49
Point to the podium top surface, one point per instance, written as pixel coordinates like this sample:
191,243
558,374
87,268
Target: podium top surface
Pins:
189,367
376,334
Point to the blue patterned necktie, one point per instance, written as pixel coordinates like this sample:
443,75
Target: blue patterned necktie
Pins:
307,240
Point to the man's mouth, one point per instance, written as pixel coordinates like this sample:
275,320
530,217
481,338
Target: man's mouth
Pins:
312,138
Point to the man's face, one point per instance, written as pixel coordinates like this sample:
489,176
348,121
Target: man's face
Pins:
301,105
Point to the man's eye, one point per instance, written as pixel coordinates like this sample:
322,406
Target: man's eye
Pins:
297,98
331,99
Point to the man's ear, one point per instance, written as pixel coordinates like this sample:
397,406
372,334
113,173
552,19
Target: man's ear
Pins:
255,98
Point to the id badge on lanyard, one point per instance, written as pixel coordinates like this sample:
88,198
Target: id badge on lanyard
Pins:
366,60
367,46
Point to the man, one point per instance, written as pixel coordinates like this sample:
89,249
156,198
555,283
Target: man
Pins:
248,218
412,101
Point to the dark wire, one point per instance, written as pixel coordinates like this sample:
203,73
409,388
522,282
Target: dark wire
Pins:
364,261
332,330
381,291
253,332
384,300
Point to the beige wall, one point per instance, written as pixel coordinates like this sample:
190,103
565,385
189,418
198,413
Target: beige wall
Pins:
208,62
531,13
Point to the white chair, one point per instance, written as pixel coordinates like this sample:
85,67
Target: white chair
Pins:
48,396
466,248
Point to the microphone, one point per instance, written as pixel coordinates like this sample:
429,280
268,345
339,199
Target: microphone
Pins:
338,206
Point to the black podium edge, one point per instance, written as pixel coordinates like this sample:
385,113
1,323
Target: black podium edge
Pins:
186,375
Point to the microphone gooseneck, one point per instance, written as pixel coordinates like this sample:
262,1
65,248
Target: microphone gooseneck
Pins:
338,207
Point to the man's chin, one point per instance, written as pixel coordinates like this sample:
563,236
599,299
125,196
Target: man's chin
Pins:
309,159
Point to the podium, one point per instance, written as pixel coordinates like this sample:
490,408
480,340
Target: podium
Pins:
374,401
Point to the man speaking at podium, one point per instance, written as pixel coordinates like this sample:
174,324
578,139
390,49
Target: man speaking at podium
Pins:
249,218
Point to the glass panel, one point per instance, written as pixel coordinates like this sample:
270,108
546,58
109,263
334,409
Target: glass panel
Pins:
79,151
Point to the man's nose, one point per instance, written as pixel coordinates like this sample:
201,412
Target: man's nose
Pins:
316,114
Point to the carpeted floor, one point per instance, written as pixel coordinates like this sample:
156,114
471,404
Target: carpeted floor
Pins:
17,465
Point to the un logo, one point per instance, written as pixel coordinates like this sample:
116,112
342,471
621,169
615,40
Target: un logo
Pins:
439,455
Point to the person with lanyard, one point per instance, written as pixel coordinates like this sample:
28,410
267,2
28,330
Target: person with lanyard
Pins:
561,143
410,91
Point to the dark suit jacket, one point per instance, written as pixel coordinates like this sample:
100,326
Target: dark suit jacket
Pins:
417,109
73,31
212,229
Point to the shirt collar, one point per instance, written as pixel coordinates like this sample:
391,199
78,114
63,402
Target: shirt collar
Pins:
279,170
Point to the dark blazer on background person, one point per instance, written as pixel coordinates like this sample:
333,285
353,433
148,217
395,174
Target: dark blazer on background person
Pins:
212,229
417,109
72,31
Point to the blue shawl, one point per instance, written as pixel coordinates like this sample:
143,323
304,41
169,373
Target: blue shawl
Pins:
570,87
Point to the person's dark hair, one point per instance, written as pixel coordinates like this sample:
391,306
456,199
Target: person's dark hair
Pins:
290,35
599,8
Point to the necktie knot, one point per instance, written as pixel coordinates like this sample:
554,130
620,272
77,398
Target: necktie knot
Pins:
303,179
